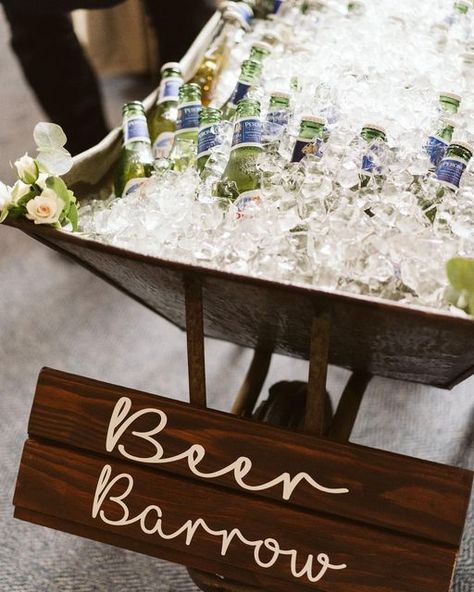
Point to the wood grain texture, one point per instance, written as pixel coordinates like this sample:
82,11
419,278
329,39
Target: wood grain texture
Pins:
369,335
61,483
409,496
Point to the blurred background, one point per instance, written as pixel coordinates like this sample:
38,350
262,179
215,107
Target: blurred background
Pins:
54,313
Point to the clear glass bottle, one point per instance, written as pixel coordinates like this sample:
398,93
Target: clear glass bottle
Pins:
240,180
209,135
162,119
250,74
217,56
136,160
184,151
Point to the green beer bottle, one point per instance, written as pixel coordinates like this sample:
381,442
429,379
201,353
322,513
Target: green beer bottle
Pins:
183,152
449,103
279,108
375,136
249,76
136,158
451,169
240,180
440,140
163,117
209,136
259,51
310,137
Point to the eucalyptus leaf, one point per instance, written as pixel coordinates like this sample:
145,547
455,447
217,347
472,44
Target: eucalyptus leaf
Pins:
461,274
3,215
59,187
55,161
49,135
26,198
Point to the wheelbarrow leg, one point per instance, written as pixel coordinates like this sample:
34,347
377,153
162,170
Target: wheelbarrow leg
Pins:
318,368
348,408
253,383
195,340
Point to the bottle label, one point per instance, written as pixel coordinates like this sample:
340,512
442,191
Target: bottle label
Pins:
245,199
305,147
132,186
188,117
208,139
277,5
436,148
240,92
450,171
247,132
279,117
369,166
135,129
162,145
169,89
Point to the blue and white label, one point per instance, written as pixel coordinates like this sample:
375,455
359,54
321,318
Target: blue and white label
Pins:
240,92
163,144
133,186
188,117
169,89
208,139
135,129
436,148
244,11
277,5
450,171
246,199
369,165
278,117
247,132
305,147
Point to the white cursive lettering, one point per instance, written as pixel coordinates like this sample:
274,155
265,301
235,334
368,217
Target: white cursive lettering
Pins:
121,421
313,570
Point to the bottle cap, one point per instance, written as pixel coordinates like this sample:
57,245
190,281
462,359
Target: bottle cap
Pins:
465,3
314,119
262,45
280,94
448,121
461,144
375,126
450,95
468,57
171,66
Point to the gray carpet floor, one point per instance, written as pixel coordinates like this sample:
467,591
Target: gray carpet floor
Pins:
54,313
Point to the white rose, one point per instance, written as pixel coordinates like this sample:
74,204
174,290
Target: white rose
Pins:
5,196
19,190
27,169
45,208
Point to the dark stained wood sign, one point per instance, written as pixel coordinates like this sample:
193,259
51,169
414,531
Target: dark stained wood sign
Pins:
260,505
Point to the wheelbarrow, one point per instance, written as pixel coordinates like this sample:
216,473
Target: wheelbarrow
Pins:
406,516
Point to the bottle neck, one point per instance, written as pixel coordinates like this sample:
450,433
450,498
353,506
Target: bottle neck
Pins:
135,129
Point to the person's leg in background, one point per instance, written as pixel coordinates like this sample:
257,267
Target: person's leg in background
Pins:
58,71
177,23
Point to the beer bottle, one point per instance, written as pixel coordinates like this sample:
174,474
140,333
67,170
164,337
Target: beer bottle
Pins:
136,158
440,140
310,137
183,152
163,117
259,51
449,103
375,136
216,57
249,76
279,108
209,135
240,180
451,168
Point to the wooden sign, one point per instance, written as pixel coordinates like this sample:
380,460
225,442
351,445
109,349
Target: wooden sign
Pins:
260,505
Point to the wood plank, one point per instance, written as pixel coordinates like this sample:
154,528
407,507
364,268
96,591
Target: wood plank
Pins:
62,483
405,495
